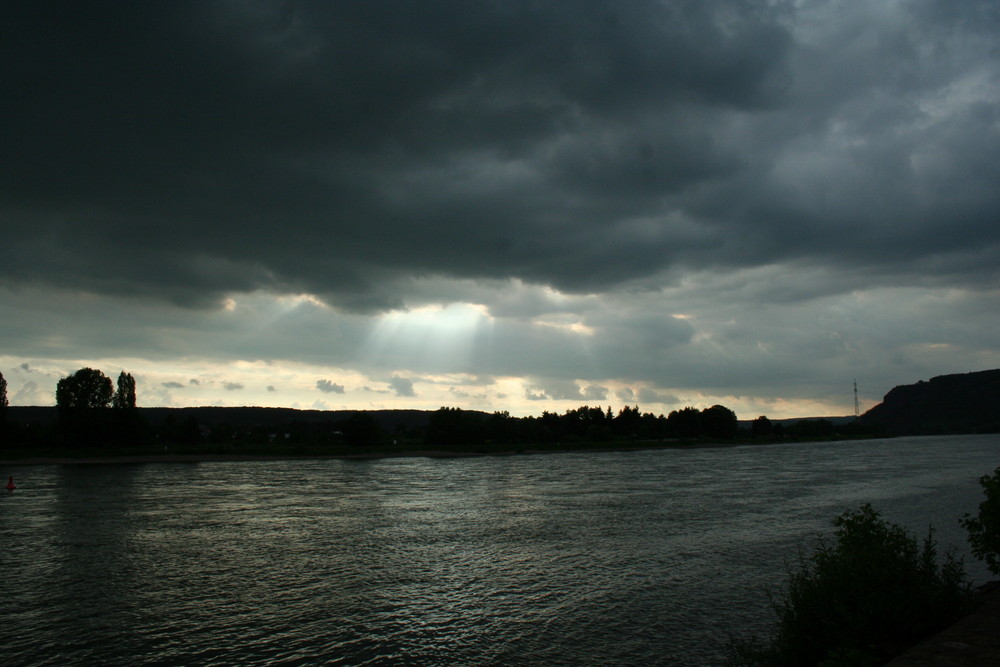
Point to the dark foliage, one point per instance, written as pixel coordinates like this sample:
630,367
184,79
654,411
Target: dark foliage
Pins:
124,398
685,423
454,426
762,427
81,399
866,597
719,422
984,528
3,401
86,388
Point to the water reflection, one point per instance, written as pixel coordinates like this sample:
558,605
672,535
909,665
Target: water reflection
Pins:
628,557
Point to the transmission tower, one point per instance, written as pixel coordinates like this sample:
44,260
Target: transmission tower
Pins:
857,407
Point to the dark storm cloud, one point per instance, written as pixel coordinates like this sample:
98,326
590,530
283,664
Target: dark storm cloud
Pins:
189,150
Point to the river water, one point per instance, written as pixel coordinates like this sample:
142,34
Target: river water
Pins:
647,557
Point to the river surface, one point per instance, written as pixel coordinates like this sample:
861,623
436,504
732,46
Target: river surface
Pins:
625,558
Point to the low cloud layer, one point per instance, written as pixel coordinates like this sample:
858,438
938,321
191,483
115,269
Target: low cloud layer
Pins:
665,201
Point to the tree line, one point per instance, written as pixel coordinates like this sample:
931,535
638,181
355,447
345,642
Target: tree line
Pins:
454,426
86,388
94,412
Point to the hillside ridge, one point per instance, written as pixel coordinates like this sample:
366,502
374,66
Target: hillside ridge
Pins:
956,403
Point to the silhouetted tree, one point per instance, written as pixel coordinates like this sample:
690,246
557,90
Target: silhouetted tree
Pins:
125,396
863,596
130,427
501,427
454,426
761,427
628,422
575,423
80,398
533,429
86,388
984,528
719,421
685,423
654,426
3,399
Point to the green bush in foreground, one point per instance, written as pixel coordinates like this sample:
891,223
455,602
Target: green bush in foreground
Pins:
984,529
862,599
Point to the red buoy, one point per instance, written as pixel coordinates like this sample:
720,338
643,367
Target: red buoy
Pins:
10,483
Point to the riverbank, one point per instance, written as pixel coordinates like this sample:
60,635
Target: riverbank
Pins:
972,640
206,457
65,457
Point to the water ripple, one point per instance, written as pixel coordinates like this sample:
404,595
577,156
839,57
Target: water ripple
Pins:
614,558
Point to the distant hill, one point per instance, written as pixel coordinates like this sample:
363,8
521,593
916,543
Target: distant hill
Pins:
960,403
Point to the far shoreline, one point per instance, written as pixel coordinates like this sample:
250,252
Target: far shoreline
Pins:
208,457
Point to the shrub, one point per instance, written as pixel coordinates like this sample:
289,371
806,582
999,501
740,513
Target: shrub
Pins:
984,529
862,599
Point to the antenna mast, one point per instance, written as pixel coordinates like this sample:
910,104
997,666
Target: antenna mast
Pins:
857,408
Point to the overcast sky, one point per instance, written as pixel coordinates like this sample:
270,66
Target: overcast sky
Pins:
500,205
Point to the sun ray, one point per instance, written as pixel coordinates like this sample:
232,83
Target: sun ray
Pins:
440,338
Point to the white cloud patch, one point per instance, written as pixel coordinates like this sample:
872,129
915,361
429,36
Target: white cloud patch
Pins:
30,393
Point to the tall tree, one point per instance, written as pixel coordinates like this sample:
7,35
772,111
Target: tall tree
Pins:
86,388
80,398
125,396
